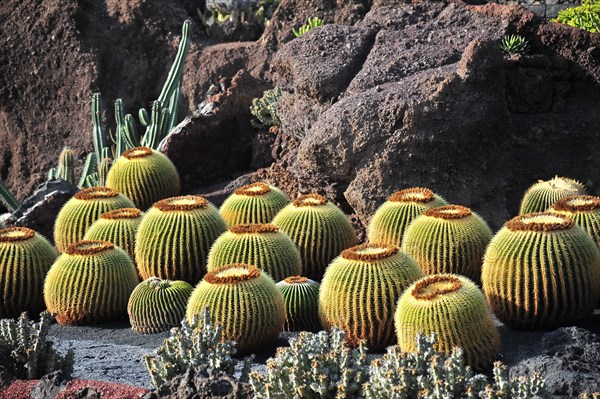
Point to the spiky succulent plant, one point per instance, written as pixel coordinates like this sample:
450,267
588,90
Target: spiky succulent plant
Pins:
175,236
262,245
119,227
541,271
584,210
81,211
25,258
393,217
145,176
301,299
454,308
360,289
320,230
448,239
256,203
90,283
244,301
543,194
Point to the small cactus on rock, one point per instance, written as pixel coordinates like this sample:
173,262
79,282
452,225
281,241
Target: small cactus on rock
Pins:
543,194
256,203
119,227
583,210
301,299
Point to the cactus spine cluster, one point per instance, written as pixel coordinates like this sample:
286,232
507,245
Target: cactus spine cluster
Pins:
81,211
543,194
242,299
301,299
25,258
320,230
454,308
448,239
175,236
157,305
145,176
584,210
393,217
90,283
360,289
541,271
262,245
256,203
119,227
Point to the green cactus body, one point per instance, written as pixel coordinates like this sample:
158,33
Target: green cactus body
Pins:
256,203
360,289
25,258
543,194
261,245
175,236
244,301
81,211
584,210
157,305
301,299
448,239
145,176
119,227
541,271
454,308
90,283
320,230
393,217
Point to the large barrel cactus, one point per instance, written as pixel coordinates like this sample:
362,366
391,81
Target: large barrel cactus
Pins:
301,299
157,305
119,227
256,203
145,176
81,211
262,245
25,258
175,236
448,239
320,230
360,289
90,283
584,210
393,217
245,301
541,271
454,308
543,194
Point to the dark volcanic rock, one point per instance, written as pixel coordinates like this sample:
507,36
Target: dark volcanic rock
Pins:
49,386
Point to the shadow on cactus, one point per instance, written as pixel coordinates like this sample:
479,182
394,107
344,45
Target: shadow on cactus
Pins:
301,299
583,210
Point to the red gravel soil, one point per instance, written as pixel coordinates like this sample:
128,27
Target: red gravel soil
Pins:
20,390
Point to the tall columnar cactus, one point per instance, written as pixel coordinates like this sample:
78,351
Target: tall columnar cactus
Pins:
242,299
584,210
78,214
454,308
90,283
25,258
543,194
145,176
541,271
320,230
448,239
157,305
255,203
360,289
175,237
262,245
118,227
393,217
301,299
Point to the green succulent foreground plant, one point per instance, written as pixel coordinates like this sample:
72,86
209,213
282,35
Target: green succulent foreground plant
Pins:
256,203
513,44
118,227
310,24
583,210
264,109
586,16
301,299
543,194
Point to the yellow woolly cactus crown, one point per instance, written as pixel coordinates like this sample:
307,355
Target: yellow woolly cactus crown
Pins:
540,196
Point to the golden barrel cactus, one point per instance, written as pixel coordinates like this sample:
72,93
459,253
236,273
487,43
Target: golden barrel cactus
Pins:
584,210
255,203
543,194
119,227
301,299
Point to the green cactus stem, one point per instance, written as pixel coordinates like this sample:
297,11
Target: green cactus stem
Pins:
584,210
301,299
118,227
256,203
543,194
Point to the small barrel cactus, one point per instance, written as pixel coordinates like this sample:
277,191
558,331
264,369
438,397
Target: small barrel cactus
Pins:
256,203
543,194
81,211
90,283
584,210
541,271
175,236
320,230
360,289
393,217
157,305
454,308
301,299
244,301
145,176
25,258
119,227
261,245
448,239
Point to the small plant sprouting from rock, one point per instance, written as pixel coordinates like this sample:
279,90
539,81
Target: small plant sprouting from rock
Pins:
311,23
513,44
264,109
586,16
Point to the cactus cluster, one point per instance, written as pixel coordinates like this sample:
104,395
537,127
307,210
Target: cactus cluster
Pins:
118,227
543,194
301,300
584,210
256,203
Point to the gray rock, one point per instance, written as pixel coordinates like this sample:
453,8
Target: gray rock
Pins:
49,386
